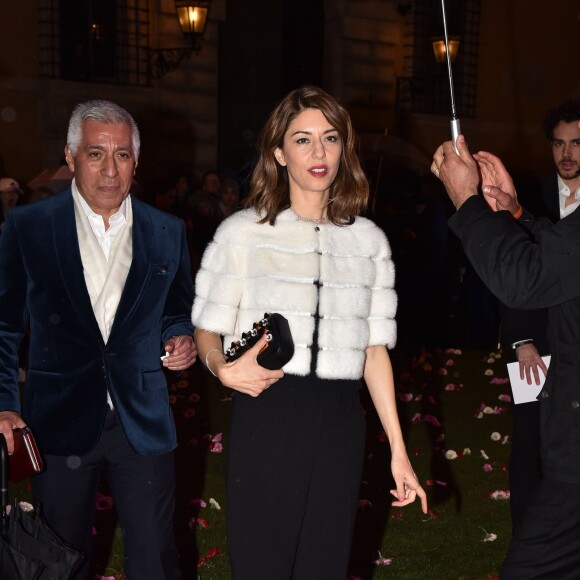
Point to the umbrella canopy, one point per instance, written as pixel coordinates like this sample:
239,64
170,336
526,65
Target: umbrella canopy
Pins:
29,549
55,178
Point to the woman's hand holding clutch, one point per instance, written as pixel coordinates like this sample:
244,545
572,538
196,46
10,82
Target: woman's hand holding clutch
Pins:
246,375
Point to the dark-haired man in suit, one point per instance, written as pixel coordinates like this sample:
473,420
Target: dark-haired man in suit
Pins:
106,284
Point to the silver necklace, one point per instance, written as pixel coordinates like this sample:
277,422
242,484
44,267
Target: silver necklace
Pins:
317,221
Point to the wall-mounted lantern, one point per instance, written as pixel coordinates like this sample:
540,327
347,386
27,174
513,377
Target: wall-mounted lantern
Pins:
192,15
439,48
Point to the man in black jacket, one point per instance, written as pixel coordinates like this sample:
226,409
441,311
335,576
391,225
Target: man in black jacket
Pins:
530,272
524,333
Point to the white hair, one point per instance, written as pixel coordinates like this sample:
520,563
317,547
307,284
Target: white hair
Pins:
102,112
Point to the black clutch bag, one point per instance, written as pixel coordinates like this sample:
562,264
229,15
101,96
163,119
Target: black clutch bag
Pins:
278,350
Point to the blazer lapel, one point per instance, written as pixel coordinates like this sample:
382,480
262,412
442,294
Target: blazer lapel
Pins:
69,259
143,246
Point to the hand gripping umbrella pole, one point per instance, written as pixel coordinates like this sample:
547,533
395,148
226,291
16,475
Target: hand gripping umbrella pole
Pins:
455,126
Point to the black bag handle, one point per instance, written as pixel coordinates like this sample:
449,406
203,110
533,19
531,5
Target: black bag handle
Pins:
3,484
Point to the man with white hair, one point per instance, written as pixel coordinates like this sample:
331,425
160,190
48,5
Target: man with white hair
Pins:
106,283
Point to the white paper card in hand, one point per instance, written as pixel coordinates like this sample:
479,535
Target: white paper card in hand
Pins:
522,392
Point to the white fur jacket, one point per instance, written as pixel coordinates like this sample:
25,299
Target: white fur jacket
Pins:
251,268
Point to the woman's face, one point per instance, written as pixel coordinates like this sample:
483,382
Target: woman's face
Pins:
229,196
311,153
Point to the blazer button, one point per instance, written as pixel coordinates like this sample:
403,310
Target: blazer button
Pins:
544,394
575,404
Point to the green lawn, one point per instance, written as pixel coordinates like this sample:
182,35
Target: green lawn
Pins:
446,544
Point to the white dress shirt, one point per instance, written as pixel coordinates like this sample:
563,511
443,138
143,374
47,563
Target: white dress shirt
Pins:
564,192
106,256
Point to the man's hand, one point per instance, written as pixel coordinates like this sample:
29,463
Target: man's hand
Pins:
183,353
9,420
530,363
459,173
497,184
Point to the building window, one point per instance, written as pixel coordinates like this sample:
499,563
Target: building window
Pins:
104,41
424,88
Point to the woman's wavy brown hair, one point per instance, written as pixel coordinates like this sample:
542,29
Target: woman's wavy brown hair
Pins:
270,191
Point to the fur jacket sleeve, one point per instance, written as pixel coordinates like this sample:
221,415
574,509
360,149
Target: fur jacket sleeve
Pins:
342,274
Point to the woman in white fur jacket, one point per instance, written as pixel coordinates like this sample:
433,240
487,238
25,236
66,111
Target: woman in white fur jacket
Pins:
297,434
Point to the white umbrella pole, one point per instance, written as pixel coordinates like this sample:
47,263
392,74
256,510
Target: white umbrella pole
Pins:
455,126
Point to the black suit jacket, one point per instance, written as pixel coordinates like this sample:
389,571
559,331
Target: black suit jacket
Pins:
528,274
550,197
71,368
523,324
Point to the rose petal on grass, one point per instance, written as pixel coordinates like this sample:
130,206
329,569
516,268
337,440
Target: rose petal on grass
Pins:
197,501
489,537
380,561
213,552
498,381
431,419
499,494
416,418
25,506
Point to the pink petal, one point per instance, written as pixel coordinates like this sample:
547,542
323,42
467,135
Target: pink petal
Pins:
433,420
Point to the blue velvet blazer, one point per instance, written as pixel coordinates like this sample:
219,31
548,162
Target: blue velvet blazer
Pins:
70,366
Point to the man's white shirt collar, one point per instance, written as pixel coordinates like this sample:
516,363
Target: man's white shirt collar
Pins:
117,221
121,213
564,193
